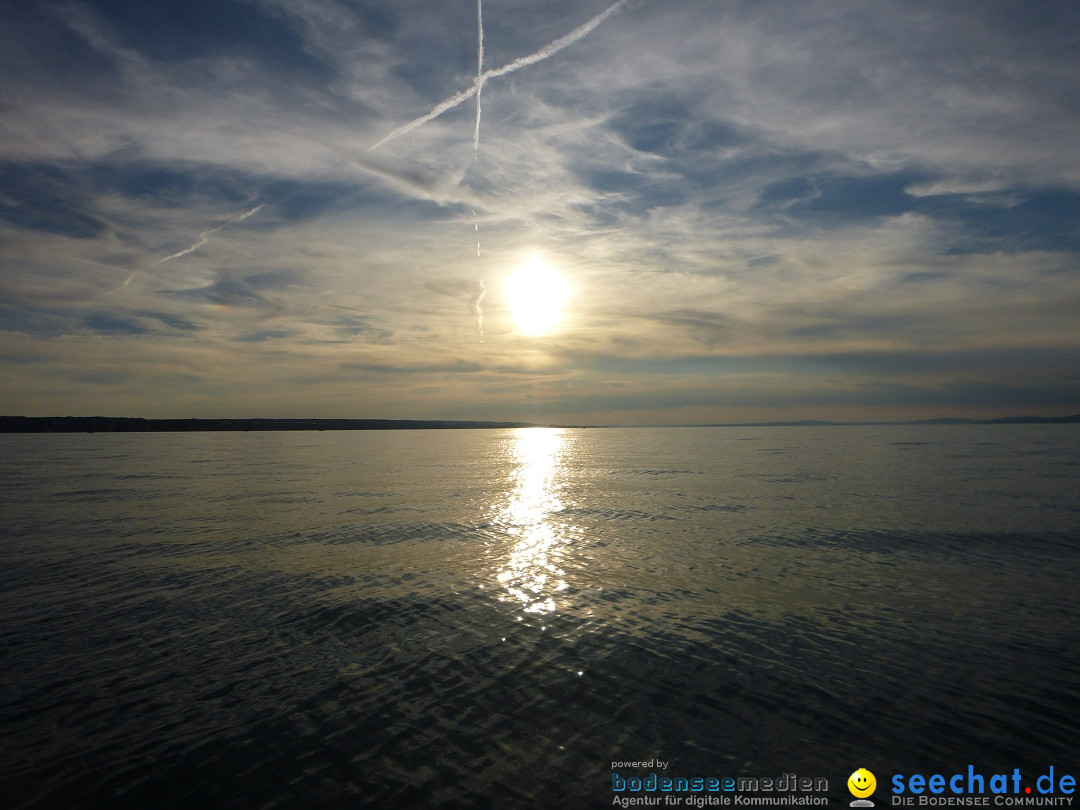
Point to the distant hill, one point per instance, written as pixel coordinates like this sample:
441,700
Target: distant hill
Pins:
1005,420
118,424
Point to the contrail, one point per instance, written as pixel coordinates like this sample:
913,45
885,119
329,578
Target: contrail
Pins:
204,237
479,312
438,110
483,290
476,151
126,282
547,51
479,73
557,45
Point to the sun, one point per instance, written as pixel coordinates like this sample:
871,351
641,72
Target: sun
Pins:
536,295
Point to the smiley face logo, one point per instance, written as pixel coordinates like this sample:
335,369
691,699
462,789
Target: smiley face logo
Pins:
861,783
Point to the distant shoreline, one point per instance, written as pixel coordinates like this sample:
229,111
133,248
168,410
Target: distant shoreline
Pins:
1002,420
120,424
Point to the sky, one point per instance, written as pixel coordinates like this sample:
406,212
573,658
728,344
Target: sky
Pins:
760,209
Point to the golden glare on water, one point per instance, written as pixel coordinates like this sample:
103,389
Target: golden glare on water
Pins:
531,575
536,295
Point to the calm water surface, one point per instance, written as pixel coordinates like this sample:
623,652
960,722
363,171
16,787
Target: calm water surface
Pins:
490,618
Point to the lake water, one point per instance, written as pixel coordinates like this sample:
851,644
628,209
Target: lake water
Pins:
493,618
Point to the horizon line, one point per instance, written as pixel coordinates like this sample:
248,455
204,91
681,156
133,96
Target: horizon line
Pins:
137,424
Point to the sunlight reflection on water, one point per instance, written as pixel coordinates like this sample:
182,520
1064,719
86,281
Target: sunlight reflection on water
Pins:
531,575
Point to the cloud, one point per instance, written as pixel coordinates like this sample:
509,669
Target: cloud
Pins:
956,185
757,205
458,367
229,292
266,334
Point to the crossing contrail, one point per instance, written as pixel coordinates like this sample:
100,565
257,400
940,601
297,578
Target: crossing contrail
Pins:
557,45
546,52
479,73
438,110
